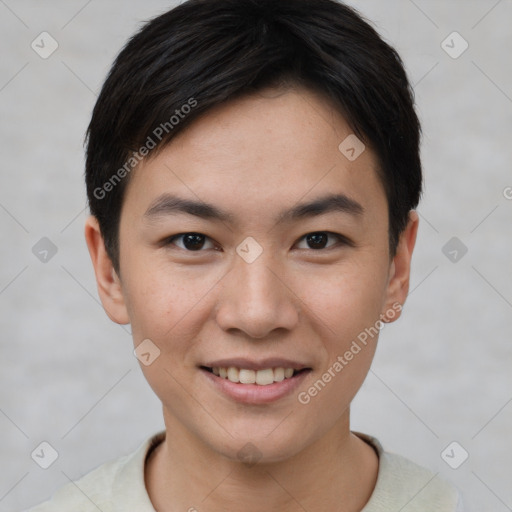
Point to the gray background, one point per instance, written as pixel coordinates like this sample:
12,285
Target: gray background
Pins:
442,373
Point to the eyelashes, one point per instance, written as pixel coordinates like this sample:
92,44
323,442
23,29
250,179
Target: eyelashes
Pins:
316,241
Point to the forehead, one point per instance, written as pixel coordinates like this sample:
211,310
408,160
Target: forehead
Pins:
257,153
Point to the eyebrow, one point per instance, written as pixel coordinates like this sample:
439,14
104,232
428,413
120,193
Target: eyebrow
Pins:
168,204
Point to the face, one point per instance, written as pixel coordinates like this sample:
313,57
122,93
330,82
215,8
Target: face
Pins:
252,245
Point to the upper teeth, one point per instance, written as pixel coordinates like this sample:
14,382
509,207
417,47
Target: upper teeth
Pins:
261,377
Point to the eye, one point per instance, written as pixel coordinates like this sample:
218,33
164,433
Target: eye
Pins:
190,241
319,240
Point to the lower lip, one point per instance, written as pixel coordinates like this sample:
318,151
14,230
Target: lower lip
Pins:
255,393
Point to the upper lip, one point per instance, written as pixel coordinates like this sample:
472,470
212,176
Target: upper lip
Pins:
262,364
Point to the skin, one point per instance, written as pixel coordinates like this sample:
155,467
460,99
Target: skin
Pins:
254,158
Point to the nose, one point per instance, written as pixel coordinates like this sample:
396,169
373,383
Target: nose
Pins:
256,299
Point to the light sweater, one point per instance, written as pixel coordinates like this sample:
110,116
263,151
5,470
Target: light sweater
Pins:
118,486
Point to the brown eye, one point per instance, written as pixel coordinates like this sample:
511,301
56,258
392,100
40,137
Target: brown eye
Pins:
320,240
190,241
317,240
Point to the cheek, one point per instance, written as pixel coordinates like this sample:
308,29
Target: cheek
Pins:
349,306
169,308
347,299
157,299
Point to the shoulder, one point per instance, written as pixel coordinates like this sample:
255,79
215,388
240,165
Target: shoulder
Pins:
402,484
108,485
91,492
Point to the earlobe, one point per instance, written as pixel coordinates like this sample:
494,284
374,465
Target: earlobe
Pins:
400,270
107,280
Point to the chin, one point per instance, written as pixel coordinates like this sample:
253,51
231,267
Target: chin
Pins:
261,445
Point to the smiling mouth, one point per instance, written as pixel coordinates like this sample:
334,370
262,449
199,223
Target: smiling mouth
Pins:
262,377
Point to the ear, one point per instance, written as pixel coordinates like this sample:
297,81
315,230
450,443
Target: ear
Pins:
107,280
400,269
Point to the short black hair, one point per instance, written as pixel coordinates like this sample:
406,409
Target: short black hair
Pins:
203,53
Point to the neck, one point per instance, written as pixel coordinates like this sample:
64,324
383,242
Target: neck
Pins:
336,472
